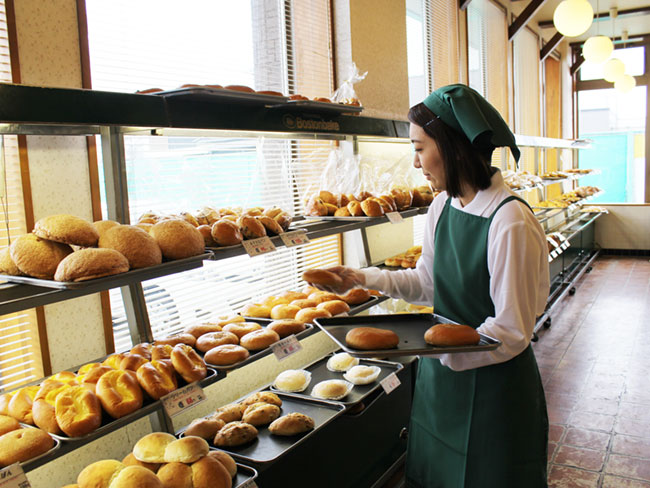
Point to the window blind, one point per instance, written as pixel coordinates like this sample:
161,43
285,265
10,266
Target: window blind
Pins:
20,359
442,42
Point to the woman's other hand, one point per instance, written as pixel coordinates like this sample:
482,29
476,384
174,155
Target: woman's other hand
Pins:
337,279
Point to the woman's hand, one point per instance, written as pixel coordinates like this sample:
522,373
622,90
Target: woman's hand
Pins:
349,278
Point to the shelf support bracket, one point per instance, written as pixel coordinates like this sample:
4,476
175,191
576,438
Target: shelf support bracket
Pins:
550,45
114,160
520,22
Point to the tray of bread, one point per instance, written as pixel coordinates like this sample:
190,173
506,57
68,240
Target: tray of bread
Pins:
23,443
264,425
322,377
318,105
404,335
239,94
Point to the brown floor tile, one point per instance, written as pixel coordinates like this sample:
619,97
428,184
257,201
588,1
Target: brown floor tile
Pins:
597,405
631,446
552,448
633,411
592,421
558,415
586,438
561,400
633,427
610,481
555,432
566,477
580,458
628,467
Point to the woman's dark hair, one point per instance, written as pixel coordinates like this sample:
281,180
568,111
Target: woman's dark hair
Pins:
462,161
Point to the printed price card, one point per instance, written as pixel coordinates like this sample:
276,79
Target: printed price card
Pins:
261,245
182,399
13,477
395,217
286,347
294,238
390,382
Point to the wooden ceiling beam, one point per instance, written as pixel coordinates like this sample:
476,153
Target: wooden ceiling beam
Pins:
550,45
520,22
463,4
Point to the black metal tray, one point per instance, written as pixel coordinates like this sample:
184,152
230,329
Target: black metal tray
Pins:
319,372
320,107
268,447
409,327
208,94
245,474
133,276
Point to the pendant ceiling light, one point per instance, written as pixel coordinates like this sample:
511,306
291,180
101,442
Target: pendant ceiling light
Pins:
598,48
625,83
573,17
613,70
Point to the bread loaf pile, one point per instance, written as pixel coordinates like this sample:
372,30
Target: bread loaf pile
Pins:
406,259
67,248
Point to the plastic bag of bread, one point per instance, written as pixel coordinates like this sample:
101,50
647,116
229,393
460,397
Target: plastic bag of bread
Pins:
345,93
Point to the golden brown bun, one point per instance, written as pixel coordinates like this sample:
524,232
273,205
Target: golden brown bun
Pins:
235,434
229,413
296,96
178,239
130,460
334,307
143,349
67,229
7,265
261,413
315,207
86,367
20,405
286,327
43,408
37,257
263,397
214,339
189,218
226,355
91,263
371,338
418,199
172,340
308,315
274,300
151,447
304,303
114,360
323,296
273,228
240,329
451,335
331,209
90,379
270,92
119,393
132,476
293,295
102,226
188,449
284,311
226,233
78,411
256,310
226,460
292,424
354,207
7,424
197,330
342,212
241,88
208,472
328,197
390,201
99,474
403,198
4,402
188,363
132,362
322,277
22,444
284,219
176,475
322,99
259,339
356,296
161,352
251,228
63,376
206,428
384,204
206,232
157,378
371,208
135,244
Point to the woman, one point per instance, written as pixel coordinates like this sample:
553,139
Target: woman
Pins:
478,419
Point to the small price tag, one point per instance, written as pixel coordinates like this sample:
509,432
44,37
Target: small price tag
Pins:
295,238
182,399
248,484
390,382
395,217
286,347
13,477
261,245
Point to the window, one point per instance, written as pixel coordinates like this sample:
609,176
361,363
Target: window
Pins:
416,57
174,174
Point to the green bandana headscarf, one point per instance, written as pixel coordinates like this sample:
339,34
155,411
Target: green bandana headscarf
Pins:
466,111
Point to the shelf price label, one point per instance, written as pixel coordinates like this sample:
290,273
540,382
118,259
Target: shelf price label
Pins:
286,347
13,477
261,245
294,238
395,217
390,382
180,400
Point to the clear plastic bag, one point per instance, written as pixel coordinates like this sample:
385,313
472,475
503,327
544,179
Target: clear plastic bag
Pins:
345,93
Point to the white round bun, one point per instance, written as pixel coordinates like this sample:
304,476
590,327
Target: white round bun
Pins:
341,361
331,389
362,375
292,380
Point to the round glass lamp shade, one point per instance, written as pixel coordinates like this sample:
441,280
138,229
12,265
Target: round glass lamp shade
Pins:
613,70
625,83
597,49
573,17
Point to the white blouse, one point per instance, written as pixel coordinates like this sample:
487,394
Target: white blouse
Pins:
517,258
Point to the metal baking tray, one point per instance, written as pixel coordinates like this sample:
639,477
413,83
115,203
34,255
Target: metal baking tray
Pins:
245,474
309,329
268,447
106,282
321,107
207,94
319,372
409,327
33,462
409,212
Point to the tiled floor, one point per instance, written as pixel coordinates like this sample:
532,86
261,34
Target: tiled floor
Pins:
595,363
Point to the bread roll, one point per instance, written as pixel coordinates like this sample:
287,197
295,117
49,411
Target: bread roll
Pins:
390,201
119,393
226,355
102,226
403,198
78,411
342,212
176,475
241,88
334,307
240,329
132,476
206,232
89,380
354,207
284,219
315,207
256,310
7,424
178,239
226,233
135,244
451,335
370,338
172,340
286,327
262,397
4,402
91,263
292,424
272,227
208,472
206,428
23,444
151,447
229,413
235,434
7,265
226,460
99,474
64,377
331,209
259,339
43,408
198,330
371,208
323,296
37,257
188,363
230,319
284,311
20,405
157,378
308,315
305,303
214,339
261,413
67,229
291,295
130,460
114,360
322,277
161,352
132,362
188,449
143,349
251,228
356,296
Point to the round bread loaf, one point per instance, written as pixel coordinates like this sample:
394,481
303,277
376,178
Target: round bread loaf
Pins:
322,277
372,208
403,198
37,257
102,226
256,310
304,303
67,229
226,460
161,351
213,339
114,360
259,339
292,424
206,232
342,212
130,460
78,411
7,424
208,472
99,474
286,327
323,296
229,413
91,263
241,88
20,405
260,413
206,428
22,444
178,239
43,408
240,329
226,355
143,349
7,265
354,207
293,295
451,335
334,307
135,244
251,228
157,378
175,475
132,362
132,476
315,207
87,367
235,434
370,338
172,340
356,296
119,393
272,227
308,315
274,300
187,449
188,363
151,447
226,233
197,330
263,397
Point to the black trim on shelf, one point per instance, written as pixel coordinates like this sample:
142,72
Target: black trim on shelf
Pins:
625,252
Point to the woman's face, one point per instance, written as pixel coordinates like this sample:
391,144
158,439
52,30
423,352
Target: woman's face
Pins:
427,157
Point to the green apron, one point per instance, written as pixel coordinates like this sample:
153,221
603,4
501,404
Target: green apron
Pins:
485,427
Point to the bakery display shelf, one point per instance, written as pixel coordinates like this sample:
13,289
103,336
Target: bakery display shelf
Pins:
409,327
222,95
319,372
245,475
574,226
268,447
318,107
